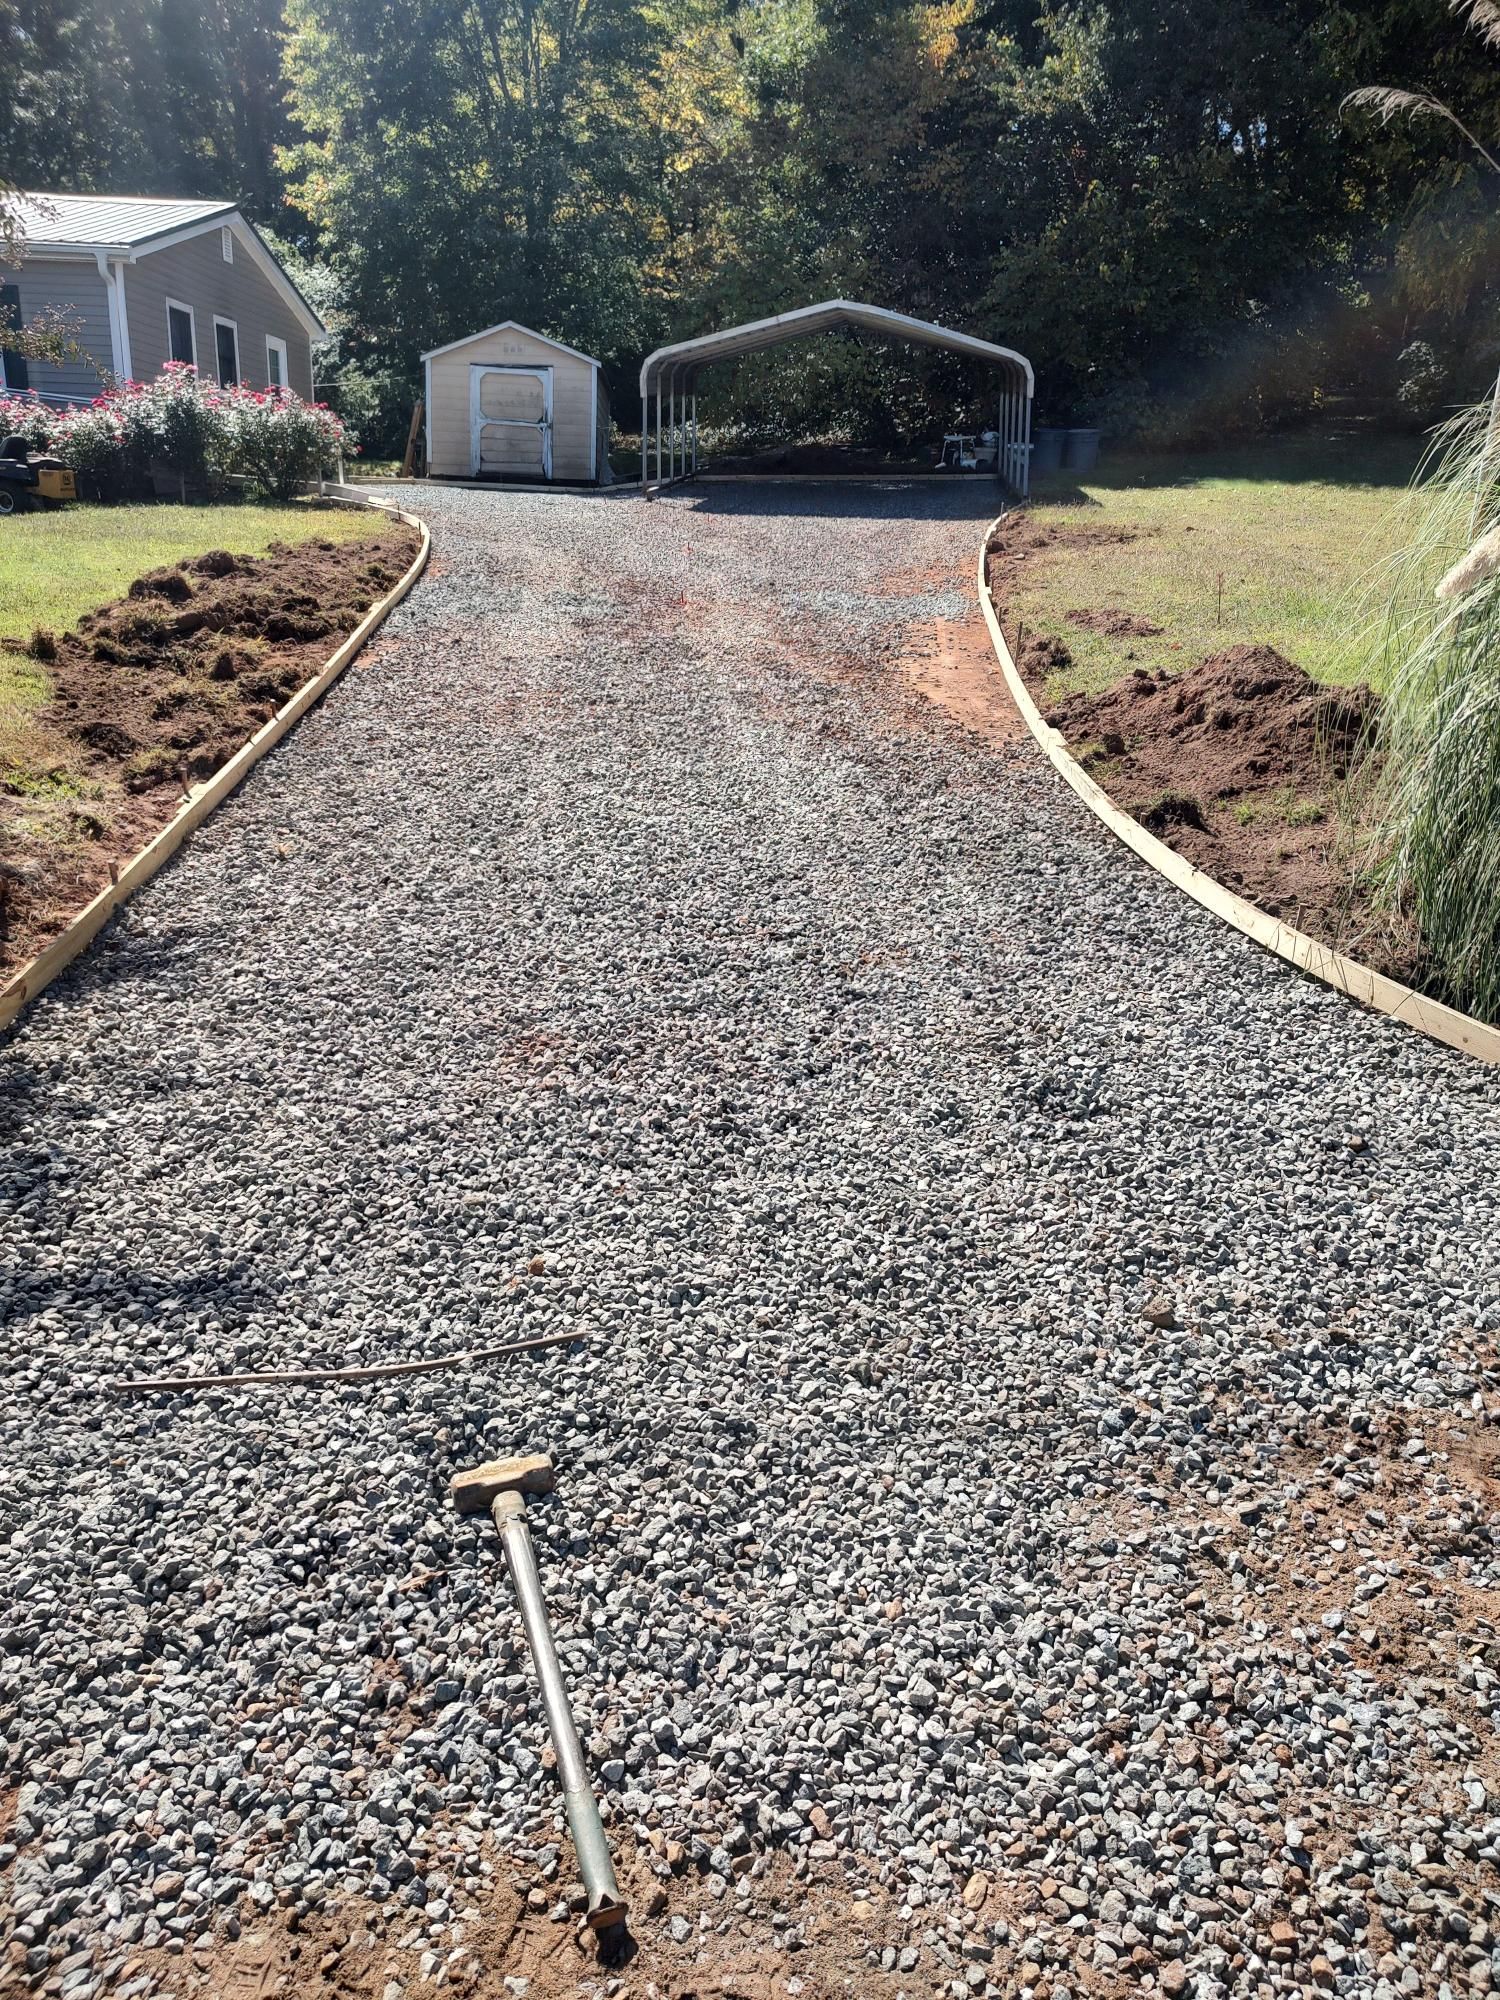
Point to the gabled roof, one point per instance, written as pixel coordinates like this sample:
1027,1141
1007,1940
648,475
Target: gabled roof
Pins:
84,221
130,226
511,326
690,355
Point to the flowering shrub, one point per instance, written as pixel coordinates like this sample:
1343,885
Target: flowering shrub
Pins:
188,426
90,439
278,441
183,420
28,417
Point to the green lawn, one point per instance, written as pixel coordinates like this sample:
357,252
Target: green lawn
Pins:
56,566
1295,527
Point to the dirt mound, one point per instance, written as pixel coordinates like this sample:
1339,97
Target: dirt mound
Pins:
172,680
1114,624
1245,721
160,690
1236,763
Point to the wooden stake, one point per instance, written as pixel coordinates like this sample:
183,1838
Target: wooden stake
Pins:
409,457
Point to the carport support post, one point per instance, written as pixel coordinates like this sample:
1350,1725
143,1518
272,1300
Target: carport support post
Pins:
695,432
658,430
1026,447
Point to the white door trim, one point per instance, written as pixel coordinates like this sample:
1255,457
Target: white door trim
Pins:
477,372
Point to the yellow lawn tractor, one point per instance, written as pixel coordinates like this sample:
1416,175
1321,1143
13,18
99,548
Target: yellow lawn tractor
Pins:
31,479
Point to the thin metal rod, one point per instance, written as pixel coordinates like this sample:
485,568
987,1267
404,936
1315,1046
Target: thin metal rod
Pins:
605,1906
645,469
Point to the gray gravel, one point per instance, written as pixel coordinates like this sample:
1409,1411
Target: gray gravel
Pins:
1032,1445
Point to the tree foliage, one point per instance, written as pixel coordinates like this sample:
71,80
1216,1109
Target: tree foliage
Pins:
1162,204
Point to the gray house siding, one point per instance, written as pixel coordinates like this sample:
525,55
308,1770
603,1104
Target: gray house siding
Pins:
195,273
77,289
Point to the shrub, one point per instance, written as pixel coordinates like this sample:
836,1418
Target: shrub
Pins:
278,441
1421,385
185,420
28,417
197,430
91,439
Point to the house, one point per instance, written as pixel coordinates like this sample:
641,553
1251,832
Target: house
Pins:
150,282
508,403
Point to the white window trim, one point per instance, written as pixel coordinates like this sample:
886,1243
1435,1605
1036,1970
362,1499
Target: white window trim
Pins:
181,305
234,328
276,345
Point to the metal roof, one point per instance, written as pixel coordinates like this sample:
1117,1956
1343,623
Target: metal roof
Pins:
84,221
688,356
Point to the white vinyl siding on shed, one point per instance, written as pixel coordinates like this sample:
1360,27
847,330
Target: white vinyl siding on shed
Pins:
196,273
511,347
75,288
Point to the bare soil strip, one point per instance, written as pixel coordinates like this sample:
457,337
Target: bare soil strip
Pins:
157,692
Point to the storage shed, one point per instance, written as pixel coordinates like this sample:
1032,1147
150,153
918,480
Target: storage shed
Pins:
512,404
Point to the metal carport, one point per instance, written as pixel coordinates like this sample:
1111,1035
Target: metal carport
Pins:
669,380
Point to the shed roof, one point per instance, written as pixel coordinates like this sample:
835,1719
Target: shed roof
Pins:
82,221
510,326
690,355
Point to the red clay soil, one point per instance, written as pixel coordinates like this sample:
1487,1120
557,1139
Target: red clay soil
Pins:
683,1943
1237,763
157,692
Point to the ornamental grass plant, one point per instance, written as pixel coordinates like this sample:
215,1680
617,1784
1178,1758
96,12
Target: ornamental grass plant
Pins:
1432,808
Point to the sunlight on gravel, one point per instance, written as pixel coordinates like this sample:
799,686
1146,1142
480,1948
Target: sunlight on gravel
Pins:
1034,1445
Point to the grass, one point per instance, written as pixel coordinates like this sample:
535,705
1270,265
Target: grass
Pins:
1435,809
1295,527
54,567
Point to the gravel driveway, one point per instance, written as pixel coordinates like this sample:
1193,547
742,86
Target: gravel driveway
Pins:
1033,1447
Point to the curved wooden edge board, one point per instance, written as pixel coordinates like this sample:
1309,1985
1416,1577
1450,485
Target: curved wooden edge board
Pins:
1321,961
24,986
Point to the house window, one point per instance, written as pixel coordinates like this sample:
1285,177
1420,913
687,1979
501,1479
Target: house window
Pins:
182,343
227,351
276,371
226,244
14,374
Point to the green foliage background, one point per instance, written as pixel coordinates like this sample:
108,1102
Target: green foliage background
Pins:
1159,202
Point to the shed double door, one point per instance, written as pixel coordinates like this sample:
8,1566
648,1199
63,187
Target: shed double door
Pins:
510,421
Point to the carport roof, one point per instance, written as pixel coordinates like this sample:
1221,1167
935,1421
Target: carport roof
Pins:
690,355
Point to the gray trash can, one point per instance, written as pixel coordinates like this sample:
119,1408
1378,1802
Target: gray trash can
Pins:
1047,448
1081,450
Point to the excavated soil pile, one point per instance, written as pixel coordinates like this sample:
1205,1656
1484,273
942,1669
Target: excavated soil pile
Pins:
1236,763
157,692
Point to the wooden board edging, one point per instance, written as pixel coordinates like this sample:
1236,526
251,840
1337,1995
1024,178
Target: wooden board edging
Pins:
1361,982
24,986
